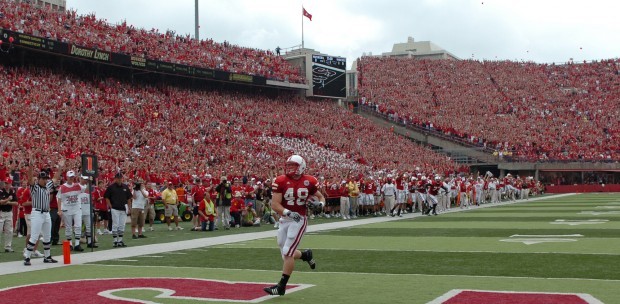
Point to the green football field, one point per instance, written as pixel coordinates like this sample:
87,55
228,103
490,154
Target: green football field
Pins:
559,245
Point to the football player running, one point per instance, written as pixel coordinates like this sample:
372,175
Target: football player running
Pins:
291,192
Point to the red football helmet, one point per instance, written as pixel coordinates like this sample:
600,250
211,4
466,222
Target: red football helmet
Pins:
295,165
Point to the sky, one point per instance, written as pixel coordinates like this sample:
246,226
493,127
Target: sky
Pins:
542,31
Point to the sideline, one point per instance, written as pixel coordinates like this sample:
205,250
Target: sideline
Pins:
124,253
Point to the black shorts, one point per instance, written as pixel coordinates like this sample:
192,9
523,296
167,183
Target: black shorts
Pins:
103,215
332,201
195,210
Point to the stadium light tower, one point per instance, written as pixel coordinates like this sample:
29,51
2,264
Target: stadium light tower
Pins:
196,33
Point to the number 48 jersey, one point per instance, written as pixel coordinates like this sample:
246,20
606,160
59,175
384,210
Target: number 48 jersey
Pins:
295,193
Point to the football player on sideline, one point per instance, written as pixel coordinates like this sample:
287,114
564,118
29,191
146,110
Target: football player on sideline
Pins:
291,192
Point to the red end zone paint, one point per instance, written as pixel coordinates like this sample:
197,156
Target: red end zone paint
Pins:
95,291
505,297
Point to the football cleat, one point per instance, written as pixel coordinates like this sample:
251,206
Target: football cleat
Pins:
275,290
49,259
27,262
310,260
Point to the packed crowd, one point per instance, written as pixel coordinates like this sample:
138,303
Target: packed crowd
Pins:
528,111
91,32
170,134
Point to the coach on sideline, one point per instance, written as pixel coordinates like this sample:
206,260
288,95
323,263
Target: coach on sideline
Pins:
40,220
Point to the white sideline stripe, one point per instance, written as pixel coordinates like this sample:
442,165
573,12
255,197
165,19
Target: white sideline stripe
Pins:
176,252
361,273
120,260
152,256
127,252
449,251
546,235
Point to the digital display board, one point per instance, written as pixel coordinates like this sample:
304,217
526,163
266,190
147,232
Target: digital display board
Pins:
329,76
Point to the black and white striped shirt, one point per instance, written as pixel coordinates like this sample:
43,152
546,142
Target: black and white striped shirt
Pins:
41,196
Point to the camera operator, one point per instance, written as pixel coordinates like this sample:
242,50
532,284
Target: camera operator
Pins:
140,201
223,200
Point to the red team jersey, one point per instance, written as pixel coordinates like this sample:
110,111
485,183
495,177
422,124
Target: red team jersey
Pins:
434,187
23,195
370,188
295,192
198,192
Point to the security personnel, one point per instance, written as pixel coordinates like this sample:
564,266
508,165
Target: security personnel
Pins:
118,198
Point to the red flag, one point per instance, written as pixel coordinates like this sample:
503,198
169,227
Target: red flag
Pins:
305,12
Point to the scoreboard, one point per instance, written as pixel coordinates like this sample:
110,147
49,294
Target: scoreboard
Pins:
329,76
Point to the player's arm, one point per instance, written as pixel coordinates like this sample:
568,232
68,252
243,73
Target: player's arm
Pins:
61,167
202,212
276,203
320,197
29,178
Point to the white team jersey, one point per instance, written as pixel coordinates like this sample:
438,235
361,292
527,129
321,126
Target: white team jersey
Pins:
388,189
68,197
84,199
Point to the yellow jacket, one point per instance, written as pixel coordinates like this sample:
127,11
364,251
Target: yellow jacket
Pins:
354,190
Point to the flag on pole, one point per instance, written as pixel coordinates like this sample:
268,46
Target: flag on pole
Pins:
305,13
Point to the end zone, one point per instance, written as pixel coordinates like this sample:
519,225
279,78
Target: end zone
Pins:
464,296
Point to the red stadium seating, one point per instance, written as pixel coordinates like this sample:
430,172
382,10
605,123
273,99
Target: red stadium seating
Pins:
172,134
88,31
523,110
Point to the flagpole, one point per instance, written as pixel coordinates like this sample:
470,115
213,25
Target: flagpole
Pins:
302,26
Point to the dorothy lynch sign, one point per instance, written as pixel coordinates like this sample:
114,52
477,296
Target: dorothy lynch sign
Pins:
89,53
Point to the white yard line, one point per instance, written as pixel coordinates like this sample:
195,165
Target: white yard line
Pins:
128,252
365,274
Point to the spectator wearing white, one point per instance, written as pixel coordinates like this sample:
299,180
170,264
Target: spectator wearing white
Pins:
84,198
493,185
69,203
444,194
138,205
479,191
389,195
344,201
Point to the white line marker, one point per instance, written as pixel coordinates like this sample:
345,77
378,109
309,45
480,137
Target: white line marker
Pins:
546,236
152,256
578,222
599,212
121,260
538,241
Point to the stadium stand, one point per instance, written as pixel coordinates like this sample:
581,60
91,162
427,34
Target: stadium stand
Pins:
88,31
523,110
168,133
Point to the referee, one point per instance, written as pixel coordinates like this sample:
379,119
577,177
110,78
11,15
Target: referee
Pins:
41,222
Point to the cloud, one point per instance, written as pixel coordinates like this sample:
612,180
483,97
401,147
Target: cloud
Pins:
543,31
